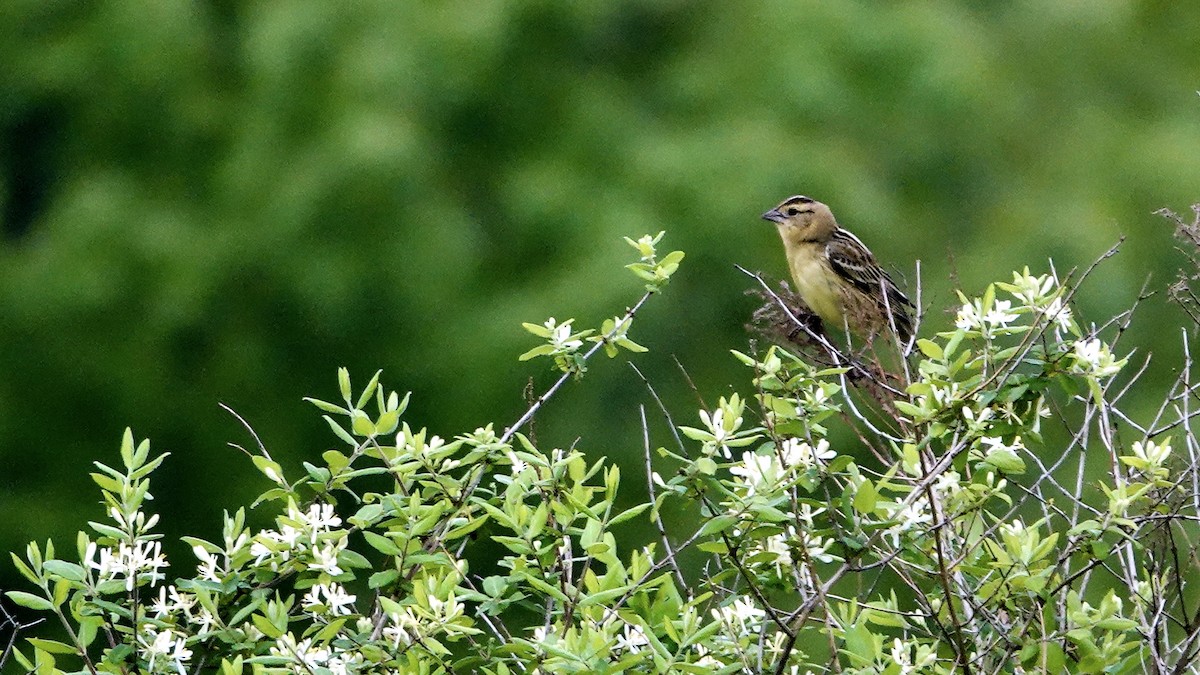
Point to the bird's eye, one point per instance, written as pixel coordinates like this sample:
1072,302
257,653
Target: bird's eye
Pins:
793,211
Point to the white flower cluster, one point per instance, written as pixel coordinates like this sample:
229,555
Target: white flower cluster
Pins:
328,600
306,656
722,428
764,474
1093,357
971,316
165,650
172,602
560,335
741,618
1036,296
815,548
142,561
433,616
911,517
307,536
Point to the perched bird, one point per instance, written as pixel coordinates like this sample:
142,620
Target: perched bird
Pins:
836,275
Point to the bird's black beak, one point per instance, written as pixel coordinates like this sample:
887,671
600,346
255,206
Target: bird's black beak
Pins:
773,215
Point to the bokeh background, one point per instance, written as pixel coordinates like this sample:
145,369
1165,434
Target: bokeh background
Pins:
222,201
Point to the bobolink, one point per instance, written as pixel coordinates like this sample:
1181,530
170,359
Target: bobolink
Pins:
836,275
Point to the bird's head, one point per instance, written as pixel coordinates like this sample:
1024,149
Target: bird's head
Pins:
802,219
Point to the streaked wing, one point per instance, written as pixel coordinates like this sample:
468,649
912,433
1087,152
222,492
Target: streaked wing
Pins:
853,261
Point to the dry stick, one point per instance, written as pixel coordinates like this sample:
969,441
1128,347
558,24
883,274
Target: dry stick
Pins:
840,358
17,627
658,523
1191,446
262,448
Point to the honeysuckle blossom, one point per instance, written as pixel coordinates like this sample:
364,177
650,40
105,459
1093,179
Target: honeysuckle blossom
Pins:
1092,357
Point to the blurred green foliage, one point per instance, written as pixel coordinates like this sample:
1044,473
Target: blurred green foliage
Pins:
224,201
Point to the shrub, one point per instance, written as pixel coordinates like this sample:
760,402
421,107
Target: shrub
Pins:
1000,512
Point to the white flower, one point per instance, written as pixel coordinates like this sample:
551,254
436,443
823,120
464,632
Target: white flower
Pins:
331,599
404,627
163,649
778,544
948,483
129,562
320,518
720,428
798,453
901,657
207,569
741,618
818,548
908,518
759,473
325,558
518,464
999,316
161,607
1154,454
807,513
632,639
1092,357
307,657
944,395
560,336
203,620
995,443
969,316
1030,289
1059,314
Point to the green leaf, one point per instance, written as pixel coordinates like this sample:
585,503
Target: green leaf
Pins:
384,578
470,526
604,597
344,386
361,424
327,407
368,390
339,431
107,484
540,350
537,329
718,524
628,514
388,422
29,600
64,569
270,469
52,646
264,624
24,569
930,348
381,543
865,498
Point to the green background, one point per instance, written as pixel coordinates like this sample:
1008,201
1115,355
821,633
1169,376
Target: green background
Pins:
224,201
